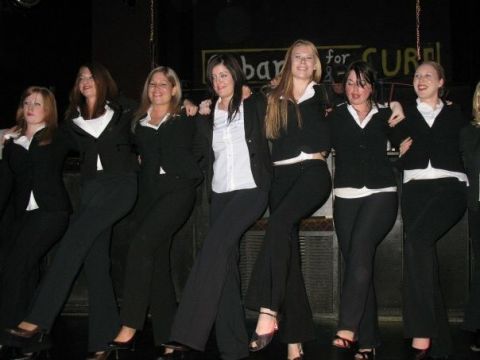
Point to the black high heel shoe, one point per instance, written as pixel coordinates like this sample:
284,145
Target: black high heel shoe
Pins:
123,345
261,341
365,354
17,354
101,355
36,334
176,346
475,342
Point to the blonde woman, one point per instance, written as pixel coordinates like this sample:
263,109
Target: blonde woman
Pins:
470,142
296,126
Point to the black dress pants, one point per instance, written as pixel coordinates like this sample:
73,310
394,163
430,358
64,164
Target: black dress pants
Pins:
472,310
104,201
212,293
35,233
361,224
429,208
148,281
277,281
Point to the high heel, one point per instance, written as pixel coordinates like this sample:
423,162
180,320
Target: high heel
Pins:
261,341
176,346
365,354
102,355
345,344
123,345
421,354
36,334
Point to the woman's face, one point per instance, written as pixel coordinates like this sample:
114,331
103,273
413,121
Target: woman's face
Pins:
358,91
222,80
86,84
34,109
303,62
160,89
427,82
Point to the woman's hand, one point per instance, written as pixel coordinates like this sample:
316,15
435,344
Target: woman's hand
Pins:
246,92
205,107
405,145
8,133
190,108
397,113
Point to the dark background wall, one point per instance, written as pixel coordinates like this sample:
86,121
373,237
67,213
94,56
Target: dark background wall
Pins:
45,44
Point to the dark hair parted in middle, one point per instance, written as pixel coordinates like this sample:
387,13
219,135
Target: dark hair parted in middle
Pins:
233,66
106,89
365,75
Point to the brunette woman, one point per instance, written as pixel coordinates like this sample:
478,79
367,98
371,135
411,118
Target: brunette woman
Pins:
238,177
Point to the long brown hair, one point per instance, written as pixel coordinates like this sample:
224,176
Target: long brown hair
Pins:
106,89
277,108
50,109
145,102
476,106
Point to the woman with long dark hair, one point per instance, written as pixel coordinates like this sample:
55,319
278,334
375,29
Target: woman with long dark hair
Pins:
365,204
433,201
236,157
100,125
167,187
32,179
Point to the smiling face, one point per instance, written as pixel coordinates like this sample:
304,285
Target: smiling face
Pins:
34,109
222,80
357,89
86,83
303,62
427,83
160,89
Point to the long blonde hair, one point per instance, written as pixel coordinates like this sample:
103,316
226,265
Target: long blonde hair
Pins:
476,106
277,108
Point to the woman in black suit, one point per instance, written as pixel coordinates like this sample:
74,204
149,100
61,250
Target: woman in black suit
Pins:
296,125
100,125
236,157
365,206
167,186
470,142
433,201
32,178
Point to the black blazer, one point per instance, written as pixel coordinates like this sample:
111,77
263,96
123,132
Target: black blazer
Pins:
39,169
361,154
169,147
470,147
115,145
260,163
440,143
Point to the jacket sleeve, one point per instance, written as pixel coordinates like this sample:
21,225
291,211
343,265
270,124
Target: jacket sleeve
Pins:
6,179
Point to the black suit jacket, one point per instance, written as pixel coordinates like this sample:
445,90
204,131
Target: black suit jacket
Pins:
470,146
439,144
260,163
115,145
169,147
39,169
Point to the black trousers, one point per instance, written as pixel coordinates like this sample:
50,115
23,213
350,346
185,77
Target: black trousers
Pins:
429,208
148,281
472,310
277,281
34,234
361,224
212,293
104,200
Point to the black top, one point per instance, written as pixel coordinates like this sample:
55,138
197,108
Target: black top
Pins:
361,154
260,162
39,169
168,147
311,138
115,145
439,143
470,147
